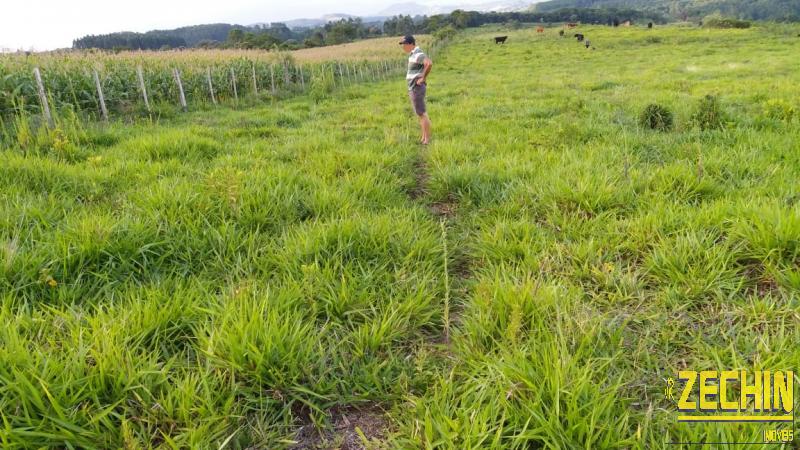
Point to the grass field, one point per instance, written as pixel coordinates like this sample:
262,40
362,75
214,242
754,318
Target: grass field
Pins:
303,275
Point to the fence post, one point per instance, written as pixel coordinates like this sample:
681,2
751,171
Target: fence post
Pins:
233,83
302,78
103,109
142,87
210,85
43,97
177,74
255,85
272,77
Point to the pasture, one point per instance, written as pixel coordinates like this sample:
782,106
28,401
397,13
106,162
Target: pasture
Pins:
301,274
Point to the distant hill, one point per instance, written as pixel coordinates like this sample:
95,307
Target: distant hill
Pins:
415,9
316,22
198,33
152,40
783,10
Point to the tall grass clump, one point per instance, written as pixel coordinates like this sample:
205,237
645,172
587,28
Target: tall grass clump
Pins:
656,117
781,110
709,114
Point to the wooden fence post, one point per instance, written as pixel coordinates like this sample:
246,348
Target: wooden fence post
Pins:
43,97
302,78
272,77
142,87
210,86
177,74
255,85
103,109
233,83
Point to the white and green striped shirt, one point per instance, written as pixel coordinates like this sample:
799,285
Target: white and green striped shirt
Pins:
416,66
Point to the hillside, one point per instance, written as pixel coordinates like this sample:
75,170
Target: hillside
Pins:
179,37
784,10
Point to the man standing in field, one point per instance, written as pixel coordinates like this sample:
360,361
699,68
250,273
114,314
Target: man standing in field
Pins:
419,66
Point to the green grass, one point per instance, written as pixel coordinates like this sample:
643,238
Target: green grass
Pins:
223,278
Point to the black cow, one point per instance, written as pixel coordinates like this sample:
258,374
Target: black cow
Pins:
649,24
579,37
500,39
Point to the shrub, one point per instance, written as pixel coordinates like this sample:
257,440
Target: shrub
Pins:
444,33
708,115
725,22
656,117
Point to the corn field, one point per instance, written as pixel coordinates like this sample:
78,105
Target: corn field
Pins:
136,83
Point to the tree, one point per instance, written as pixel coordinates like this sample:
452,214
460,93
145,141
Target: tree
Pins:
235,36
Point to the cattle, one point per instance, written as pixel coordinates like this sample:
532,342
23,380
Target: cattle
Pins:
579,37
500,39
572,25
588,43
649,25
561,33
540,29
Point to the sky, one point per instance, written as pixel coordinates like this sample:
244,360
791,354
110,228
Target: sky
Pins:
51,24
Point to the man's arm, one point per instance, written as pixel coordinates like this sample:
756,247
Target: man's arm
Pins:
426,70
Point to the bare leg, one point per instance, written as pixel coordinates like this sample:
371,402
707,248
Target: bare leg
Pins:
425,123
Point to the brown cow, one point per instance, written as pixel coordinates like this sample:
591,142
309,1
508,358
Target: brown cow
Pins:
540,30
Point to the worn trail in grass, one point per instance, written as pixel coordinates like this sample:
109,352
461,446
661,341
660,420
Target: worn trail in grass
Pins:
248,278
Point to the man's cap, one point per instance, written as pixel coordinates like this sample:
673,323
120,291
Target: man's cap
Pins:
408,40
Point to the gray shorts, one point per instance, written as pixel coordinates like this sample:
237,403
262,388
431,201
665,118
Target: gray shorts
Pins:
417,96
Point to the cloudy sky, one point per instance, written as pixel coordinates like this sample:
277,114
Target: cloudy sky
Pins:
49,24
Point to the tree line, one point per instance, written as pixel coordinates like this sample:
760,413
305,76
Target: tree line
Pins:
278,35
